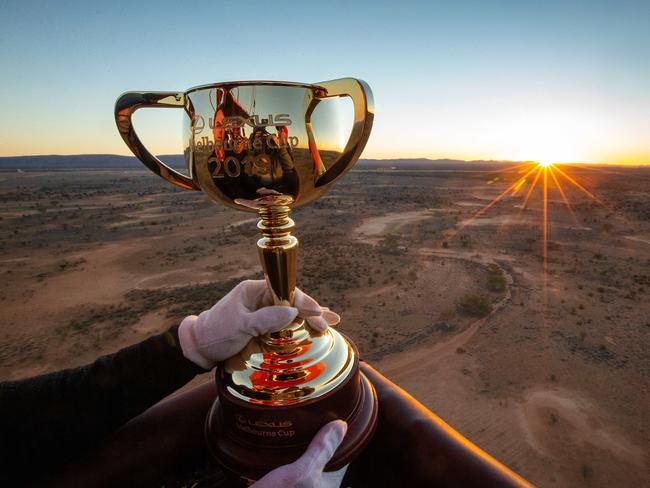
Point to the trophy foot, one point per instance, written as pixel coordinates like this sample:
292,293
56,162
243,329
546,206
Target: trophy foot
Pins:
251,461
360,428
283,387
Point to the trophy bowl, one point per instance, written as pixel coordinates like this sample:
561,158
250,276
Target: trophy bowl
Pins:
268,147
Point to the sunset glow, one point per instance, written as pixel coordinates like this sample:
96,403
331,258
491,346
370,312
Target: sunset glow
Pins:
538,175
548,83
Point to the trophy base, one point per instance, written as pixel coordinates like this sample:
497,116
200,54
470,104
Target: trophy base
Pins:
252,461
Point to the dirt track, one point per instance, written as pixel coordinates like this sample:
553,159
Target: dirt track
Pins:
556,389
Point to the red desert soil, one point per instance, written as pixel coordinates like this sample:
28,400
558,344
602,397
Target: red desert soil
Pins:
449,304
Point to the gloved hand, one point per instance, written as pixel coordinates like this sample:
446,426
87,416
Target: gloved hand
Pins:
226,328
307,471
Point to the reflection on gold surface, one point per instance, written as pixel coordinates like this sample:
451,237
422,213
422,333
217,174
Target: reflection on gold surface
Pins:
287,368
247,140
268,147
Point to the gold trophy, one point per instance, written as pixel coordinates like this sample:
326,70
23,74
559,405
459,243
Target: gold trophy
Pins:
268,147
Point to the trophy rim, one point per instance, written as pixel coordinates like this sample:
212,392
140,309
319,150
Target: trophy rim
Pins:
220,84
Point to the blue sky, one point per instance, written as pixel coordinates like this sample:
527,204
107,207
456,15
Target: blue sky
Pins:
482,79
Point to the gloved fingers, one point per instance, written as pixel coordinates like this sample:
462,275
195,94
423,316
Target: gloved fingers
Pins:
269,319
189,318
256,294
251,293
333,479
322,447
307,305
332,318
267,298
322,322
317,322
189,343
307,471
259,295
288,476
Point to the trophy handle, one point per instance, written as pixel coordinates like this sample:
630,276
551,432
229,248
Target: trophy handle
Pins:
125,106
364,113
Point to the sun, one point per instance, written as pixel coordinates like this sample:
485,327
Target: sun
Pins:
546,175
547,151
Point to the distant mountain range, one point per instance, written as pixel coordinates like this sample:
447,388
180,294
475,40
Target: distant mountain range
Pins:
113,161
86,161
424,164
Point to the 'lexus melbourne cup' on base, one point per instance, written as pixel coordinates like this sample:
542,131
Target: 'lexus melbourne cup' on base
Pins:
268,147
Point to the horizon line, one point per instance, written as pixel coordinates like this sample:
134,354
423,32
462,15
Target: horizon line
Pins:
395,158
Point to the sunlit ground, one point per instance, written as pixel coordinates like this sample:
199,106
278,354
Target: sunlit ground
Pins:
534,173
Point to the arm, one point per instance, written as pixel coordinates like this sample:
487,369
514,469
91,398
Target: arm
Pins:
53,418
50,420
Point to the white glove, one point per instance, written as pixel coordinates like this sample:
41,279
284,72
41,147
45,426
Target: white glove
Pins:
226,328
307,471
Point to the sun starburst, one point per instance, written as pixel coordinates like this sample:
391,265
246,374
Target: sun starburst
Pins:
537,174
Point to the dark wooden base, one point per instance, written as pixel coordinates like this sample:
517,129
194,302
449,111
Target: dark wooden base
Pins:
165,445
250,440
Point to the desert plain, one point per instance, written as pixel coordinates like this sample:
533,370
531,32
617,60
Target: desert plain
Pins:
535,349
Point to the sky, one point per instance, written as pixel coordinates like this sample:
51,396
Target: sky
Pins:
552,81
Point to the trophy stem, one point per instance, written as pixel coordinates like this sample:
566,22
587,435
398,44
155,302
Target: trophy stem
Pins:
278,251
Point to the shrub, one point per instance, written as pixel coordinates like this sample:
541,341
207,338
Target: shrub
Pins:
496,280
474,305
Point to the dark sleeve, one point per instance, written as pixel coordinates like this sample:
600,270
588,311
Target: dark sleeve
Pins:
55,418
